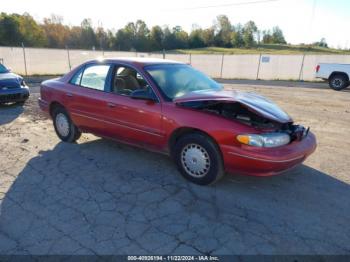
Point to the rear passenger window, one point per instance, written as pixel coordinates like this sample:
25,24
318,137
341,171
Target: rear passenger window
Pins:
77,77
95,77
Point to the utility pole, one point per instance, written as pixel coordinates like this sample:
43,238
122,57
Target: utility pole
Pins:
68,56
25,59
301,67
258,70
222,64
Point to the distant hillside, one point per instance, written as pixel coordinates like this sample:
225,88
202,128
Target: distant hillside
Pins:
266,49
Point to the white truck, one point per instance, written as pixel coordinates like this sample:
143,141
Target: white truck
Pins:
337,75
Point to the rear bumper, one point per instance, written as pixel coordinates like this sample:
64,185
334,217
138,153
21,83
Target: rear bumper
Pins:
14,95
267,161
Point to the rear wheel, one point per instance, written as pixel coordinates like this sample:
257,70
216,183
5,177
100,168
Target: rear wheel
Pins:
198,158
64,127
338,82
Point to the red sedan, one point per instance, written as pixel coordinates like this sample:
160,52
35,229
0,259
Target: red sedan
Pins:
172,108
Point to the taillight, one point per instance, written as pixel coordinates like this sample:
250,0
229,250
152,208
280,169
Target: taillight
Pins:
317,68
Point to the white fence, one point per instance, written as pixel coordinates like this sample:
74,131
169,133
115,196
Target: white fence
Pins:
284,67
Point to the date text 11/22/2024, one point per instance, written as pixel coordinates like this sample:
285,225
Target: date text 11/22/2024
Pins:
173,258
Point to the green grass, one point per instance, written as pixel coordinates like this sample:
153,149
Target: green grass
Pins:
266,49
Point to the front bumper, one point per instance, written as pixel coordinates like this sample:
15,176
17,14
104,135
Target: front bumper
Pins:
44,106
267,161
14,95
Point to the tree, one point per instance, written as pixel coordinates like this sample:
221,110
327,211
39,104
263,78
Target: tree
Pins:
169,39
249,31
321,43
141,41
237,37
223,30
33,34
74,38
258,36
56,33
267,37
15,29
175,38
156,38
109,40
208,36
181,37
123,40
101,37
196,39
88,36
277,36
134,36
10,34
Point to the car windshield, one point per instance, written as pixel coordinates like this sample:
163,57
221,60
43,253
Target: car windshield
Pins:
3,69
176,80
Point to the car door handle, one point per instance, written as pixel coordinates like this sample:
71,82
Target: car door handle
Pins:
69,94
111,105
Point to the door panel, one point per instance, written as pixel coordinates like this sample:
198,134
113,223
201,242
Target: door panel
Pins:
88,109
137,121
86,98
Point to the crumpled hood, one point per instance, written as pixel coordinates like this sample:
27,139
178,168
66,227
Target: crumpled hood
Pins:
10,80
254,102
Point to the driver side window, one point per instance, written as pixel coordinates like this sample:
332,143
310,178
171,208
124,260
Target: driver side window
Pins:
126,80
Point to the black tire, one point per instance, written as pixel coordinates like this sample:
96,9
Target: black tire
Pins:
338,82
214,169
72,133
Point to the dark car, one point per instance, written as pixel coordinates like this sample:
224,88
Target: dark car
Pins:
170,107
12,87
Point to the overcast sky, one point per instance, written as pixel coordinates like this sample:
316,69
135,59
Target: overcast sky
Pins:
302,21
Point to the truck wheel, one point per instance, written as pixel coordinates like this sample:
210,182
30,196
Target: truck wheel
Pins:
338,82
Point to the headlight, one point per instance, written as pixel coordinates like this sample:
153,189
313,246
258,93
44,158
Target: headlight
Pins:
264,140
23,83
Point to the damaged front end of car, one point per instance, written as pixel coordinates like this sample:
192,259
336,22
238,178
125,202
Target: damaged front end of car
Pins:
274,126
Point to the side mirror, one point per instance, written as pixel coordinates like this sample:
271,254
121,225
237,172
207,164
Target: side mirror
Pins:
143,94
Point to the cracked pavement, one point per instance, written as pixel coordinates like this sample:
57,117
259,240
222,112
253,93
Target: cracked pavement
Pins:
101,197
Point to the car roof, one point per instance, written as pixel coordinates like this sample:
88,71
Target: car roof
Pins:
141,61
133,61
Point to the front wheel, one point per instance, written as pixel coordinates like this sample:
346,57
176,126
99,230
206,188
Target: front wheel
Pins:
199,159
338,82
64,127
